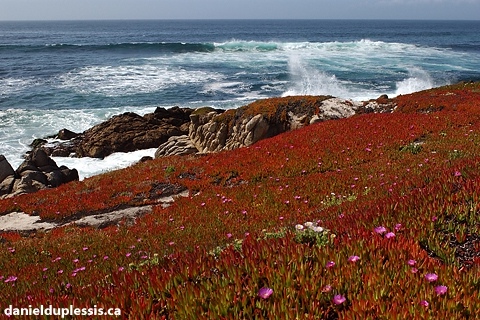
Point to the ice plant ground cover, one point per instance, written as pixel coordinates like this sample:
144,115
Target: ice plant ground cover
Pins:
371,217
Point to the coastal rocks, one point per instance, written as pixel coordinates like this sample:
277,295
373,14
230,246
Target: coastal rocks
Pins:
7,176
131,132
207,135
382,104
213,132
37,172
122,133
177,145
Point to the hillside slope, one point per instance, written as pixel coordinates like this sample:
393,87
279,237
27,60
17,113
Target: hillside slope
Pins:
393,230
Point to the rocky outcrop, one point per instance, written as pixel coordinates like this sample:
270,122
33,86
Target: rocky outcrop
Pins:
177,145
212,132
130,132
183,131
122,133
37,172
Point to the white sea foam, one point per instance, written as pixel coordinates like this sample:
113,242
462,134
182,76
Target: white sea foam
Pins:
418,79
10,86
88,167
131,79
306,80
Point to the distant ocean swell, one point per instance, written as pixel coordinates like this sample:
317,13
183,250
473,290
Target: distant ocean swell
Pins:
300,67
233,46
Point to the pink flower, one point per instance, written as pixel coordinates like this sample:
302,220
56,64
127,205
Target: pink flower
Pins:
105,258
327,288
424,303
411,262
414,270
440,290
431,277
229,235
390,235
353,258
265,292
457,173
121,269
339,299
398,227
330,264
380,230
11,279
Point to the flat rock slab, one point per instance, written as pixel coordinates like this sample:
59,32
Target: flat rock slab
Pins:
19,221
111,218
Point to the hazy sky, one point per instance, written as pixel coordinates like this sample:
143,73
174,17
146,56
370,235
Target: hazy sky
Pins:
238,9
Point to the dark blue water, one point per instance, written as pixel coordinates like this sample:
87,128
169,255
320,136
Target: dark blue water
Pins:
76,74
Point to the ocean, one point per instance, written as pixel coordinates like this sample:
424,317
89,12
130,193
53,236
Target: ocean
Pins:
75,74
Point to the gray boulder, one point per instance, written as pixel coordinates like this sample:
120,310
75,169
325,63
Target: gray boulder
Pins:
37,172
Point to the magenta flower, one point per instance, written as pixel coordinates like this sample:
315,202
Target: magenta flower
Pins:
229,235
398,227
457,173
424,303
339,299
380,230
431,277
440,290
353,258
327,288
390,235
265,292
11,279
330,264
411,262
